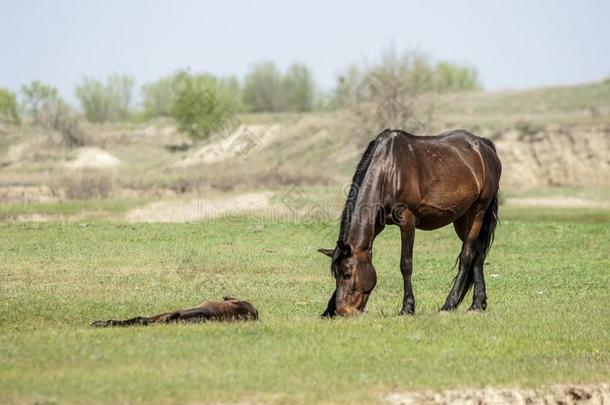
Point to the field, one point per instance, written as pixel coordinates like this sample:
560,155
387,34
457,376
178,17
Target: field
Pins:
547,321
142,219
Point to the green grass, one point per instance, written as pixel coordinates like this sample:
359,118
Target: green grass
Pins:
548,282
86,209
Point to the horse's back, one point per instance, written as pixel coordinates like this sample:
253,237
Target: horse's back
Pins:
453,155
443,175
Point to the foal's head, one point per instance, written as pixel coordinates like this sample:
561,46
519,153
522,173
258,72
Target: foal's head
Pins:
355,276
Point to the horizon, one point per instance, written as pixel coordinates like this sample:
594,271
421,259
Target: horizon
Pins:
59,43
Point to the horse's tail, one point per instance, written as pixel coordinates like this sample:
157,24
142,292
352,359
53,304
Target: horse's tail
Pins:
484,242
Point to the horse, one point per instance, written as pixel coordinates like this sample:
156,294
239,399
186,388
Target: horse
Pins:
229,309
423,182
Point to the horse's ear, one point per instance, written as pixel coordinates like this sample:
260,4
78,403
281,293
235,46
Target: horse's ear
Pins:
327,252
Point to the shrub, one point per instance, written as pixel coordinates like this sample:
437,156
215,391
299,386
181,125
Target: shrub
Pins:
204,104
528,129
298,90
401,74
345,92
263,88
8,107
36,95
67,123
158,97
88,184
267,90
106,102
452,77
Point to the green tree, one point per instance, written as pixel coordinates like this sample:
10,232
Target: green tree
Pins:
452,77
345,93
298,89
204,104
263,88
36,95
8,106
158,97
106,102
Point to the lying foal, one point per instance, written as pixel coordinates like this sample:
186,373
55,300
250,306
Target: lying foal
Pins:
231,309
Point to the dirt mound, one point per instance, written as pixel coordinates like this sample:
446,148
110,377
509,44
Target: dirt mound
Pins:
556,156
243,140
93,158
559,394
199,209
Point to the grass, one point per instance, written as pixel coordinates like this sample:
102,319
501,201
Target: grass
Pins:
63,209
547,322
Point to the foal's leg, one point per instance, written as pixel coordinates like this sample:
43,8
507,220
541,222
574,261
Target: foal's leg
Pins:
467,255
139,320
407,234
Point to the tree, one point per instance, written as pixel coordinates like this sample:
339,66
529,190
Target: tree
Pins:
298,90
204,105
8,106
106,102
263,88
159,97
344,93
119,88
36,95
451,77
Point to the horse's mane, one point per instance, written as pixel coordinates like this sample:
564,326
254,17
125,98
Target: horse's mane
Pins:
357,180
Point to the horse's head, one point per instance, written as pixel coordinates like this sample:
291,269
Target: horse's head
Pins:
355,276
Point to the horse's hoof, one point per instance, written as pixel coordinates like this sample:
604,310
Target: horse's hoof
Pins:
447,308
479,307
408,311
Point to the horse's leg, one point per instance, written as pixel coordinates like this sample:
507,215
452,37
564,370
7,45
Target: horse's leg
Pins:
464,278
139,320
407,234
166,317
479,295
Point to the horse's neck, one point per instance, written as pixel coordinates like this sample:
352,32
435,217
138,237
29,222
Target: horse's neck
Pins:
361,229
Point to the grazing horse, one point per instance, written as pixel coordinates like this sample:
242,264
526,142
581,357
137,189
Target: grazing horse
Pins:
230,309
423,182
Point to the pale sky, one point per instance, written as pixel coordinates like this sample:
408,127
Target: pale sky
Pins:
513,44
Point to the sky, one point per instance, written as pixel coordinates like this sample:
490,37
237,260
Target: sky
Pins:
513,44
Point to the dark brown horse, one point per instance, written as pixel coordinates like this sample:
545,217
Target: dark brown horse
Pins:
423,182
230,309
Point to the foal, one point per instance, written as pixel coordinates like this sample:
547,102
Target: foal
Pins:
230,309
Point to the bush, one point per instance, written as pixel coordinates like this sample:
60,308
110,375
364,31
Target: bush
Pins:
36,96
452,77
106,102
298,90
401,74
267,90
8,107
88,184
204,105
158,97
345,92
263,88
67,123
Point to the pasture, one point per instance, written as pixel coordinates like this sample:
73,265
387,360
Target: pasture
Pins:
547,322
